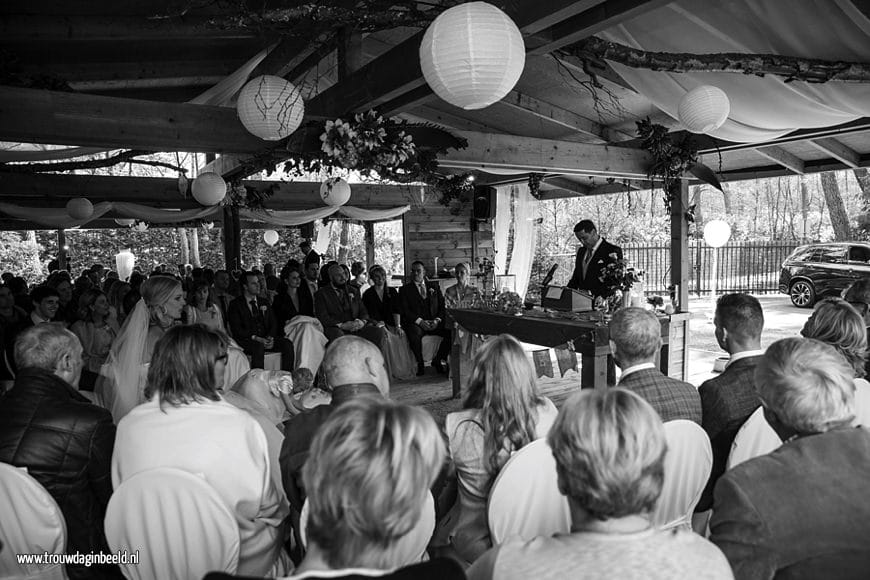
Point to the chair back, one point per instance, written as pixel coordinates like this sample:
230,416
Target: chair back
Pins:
174,523
409,549
756,437
525,500
688,463
31,523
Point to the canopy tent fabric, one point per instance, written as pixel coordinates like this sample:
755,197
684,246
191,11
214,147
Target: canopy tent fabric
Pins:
761,108
524,224
59,218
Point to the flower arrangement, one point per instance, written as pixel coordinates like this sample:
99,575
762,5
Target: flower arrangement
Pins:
239,195
509,302
618,277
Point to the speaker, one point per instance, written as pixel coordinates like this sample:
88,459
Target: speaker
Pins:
482,209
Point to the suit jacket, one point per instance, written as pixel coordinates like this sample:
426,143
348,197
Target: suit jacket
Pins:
285,310
332,311
382,310
413,306
799,512
602,256
243,324
672,399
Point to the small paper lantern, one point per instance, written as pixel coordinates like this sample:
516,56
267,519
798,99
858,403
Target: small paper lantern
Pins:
209,188
124,261
126,222
472,55
79,208
270,107
270,237
704,109
717,233
335,191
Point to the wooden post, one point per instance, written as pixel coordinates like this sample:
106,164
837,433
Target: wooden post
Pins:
61,250
680,244
232,232
369,228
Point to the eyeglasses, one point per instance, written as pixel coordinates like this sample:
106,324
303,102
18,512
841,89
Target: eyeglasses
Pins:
223,358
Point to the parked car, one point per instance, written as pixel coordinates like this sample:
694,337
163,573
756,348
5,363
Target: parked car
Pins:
817,271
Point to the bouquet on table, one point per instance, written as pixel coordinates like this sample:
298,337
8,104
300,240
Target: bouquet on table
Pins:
509,302
618,278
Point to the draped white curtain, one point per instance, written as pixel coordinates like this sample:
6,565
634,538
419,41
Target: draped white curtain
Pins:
761,108
524,224
502,226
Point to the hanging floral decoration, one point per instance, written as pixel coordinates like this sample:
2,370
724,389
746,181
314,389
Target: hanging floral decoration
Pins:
454,191
535,180
245,196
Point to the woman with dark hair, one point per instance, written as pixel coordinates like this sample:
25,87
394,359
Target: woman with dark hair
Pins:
382,303
294,311
200,309
185,424
96,328
68,310
502,413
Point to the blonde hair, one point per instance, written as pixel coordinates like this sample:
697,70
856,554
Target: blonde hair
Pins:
503,387
609,447
156,291
838,323
371,465
807,383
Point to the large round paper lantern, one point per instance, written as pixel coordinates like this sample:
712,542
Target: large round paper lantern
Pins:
335,191
704,109
79,208
126,222
124,261
270,237
472,55
270,107
209,188
717,233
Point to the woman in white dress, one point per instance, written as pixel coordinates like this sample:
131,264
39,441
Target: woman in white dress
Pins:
123,376
503,412
201,310
185,424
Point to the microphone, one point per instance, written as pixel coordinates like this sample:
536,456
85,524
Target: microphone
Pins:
549,277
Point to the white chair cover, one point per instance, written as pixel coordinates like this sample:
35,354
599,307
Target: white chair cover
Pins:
687,467
31,523
309,342
237,365
431,344
409,549
176,522
525,500
756,437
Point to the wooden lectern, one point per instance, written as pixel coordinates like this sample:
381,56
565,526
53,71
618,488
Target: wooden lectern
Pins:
566,299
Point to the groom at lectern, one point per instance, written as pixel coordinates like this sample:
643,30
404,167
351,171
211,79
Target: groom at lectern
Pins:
593,255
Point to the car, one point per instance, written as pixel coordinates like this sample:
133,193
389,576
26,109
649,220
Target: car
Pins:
816,271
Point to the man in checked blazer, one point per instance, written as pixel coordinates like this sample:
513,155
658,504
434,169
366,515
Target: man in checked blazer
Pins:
421,306
635,338
253,325
593,255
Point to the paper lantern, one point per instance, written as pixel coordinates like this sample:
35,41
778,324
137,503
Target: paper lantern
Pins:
209,188
270,107
126,222
335,191
270,237
704,109
124,261
472,55
79,208
717,233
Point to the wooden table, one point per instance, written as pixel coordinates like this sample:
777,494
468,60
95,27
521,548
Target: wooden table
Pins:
590,338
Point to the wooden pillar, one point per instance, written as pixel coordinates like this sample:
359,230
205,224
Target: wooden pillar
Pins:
680,244
61,250
232,232
369,228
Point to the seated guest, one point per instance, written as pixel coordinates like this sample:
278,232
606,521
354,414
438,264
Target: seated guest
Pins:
294,311
96,329
253,325
635,339
729,399
358,278
21,293
800,511
220,293
422,309
352,367
11,318
311,273
503,412
186,425
67,310
63,440
44,302
200,309
461,294
292,302
341,310
382,303
609,447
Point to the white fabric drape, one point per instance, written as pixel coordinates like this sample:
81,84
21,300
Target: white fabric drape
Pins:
761,108
309,342
321,237
502,226
525,230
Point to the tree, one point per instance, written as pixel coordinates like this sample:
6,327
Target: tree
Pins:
836,208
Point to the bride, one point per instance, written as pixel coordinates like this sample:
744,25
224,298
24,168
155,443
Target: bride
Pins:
123,376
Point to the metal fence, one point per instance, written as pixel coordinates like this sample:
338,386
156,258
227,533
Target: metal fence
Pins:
742,266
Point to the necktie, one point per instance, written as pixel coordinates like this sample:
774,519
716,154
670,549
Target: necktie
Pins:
422,289
587,258
254,310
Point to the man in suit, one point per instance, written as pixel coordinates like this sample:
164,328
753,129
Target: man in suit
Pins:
220,292
421,306
254,327
340,309
729,399
310,276
593,255
800,511
635,338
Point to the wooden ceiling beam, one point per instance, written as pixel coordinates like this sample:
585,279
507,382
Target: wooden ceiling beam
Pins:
57,27
551,114
779,155
838,151
566,184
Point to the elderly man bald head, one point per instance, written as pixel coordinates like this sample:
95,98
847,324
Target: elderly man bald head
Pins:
351,360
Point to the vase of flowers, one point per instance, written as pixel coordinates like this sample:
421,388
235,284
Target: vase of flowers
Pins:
618,279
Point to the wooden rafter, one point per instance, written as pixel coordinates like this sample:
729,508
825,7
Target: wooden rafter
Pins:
837,150
549,113
779,155
566,184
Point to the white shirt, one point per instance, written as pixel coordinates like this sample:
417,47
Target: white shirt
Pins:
37,319
635,368
745,354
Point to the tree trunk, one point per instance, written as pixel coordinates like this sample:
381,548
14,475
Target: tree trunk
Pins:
836,208
726,199
699,212
863,176
194,247
185,246
805,204
342,242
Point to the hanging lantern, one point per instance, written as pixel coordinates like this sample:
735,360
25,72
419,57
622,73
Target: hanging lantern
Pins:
124,261
79,208
335,191
472,55
270,237
209,188
717,233
704,109
270,107
125,222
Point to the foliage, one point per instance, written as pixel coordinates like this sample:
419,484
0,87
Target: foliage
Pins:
535,180
618,276
21,257
670,159
248,197
454,191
